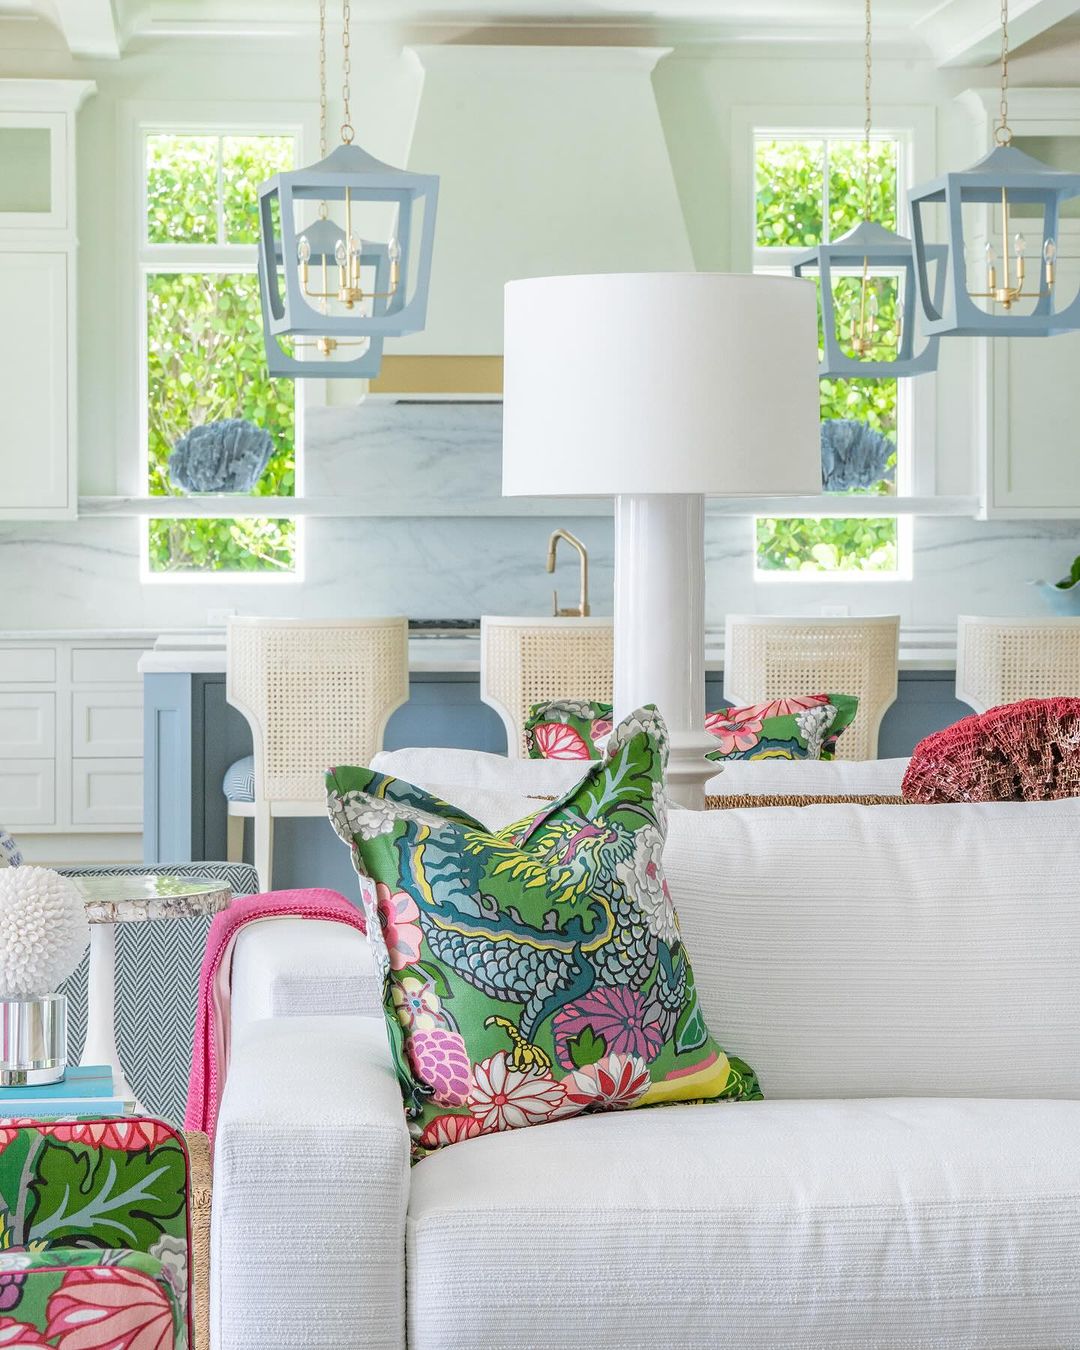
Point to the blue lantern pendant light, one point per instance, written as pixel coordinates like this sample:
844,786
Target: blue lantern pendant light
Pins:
875,258
331,295
1017,300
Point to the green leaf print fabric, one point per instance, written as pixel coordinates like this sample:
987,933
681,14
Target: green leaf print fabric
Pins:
93,1235
534,973
805,726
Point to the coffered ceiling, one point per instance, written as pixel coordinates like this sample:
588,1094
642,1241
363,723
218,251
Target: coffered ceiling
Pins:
952,32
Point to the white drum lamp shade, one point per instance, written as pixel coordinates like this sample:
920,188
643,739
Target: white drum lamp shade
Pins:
659,389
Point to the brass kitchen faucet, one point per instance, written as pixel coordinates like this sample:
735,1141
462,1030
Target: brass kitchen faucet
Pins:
582,611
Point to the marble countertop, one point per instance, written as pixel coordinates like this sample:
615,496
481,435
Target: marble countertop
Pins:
920,649
135,635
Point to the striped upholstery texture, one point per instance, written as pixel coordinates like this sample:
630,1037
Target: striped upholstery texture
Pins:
9,850
157,982
895,1224
238,784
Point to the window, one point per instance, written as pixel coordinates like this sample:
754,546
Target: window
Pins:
809,190
203,357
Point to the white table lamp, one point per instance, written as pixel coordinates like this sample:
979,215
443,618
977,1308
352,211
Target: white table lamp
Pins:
658,388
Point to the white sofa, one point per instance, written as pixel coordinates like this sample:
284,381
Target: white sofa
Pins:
905,981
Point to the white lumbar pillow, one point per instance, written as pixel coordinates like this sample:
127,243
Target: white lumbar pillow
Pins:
434,769
479,768
809,777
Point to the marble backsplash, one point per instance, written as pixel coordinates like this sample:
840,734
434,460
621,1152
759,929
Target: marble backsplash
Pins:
86,574
440,544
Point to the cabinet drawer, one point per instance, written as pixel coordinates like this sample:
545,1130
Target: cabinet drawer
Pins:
106,792
105,665
28,725
27,792
27,665
108,724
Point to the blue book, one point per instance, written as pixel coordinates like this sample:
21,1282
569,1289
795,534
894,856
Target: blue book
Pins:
81,1080
42,1108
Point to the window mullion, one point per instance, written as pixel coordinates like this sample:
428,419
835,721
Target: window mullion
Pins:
826,232
221,190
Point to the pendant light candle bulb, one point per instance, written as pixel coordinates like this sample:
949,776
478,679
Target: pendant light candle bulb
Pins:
1049,258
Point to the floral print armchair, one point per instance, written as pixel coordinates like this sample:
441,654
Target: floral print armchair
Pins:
95,1238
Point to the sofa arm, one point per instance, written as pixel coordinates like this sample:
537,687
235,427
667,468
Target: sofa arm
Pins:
301,968
311,1188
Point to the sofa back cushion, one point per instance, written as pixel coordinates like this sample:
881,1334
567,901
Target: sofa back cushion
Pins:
853,951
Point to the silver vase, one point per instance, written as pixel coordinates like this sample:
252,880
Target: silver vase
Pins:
33,1040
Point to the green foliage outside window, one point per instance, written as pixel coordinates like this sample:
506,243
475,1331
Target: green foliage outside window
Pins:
182,174
790,177
794,211
205,357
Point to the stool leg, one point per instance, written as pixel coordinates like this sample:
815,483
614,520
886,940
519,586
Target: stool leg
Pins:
264,846
234,851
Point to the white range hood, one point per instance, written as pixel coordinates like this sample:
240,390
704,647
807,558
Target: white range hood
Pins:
552,160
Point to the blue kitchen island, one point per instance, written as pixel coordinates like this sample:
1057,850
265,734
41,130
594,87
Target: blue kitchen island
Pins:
192,736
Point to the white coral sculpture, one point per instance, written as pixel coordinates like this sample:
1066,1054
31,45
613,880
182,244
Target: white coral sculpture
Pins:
43,931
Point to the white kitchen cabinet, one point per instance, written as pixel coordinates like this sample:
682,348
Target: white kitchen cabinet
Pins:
1028,400
36,445
106,723
38,462
106,792
28,724
71,743
28,793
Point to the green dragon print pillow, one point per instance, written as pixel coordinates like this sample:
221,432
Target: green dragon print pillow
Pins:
534,973
803,727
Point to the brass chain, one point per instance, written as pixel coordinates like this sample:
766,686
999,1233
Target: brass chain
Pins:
867,85
324,210
322,79
1003,132
347,132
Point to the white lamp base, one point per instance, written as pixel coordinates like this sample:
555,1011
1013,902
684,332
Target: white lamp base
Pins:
660,627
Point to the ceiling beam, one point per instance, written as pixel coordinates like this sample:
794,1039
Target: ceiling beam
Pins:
89,28
968,32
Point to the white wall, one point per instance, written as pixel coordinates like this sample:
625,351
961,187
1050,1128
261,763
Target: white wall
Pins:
87,572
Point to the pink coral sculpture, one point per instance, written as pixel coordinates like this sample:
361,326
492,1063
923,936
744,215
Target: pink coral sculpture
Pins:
1021,752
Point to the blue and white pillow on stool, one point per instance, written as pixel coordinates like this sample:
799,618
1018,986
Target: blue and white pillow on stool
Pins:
9,850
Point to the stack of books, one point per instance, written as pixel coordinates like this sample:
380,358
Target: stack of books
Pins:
86,1092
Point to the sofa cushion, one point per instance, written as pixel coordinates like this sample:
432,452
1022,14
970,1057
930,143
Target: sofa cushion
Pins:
538,972
853,951
890,1223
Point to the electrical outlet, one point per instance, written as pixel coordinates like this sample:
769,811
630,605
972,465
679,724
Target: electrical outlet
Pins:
218,618
835,611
